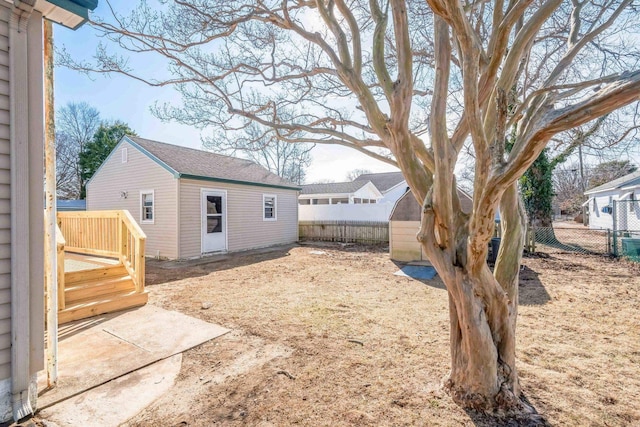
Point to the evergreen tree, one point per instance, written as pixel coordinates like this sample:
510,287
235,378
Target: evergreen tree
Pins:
98,149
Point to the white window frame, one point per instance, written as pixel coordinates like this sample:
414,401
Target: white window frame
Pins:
125,155
275,207
153,207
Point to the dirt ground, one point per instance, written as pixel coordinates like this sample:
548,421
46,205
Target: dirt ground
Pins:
328,336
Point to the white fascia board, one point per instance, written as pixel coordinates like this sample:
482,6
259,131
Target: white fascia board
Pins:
587,202
401,183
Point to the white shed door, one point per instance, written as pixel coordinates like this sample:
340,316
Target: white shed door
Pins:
214,221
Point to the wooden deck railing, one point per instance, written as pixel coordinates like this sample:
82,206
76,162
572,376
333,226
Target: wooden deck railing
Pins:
107,233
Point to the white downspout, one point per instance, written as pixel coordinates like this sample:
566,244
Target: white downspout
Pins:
20,255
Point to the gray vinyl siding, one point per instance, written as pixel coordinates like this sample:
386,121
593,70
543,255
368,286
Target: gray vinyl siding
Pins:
246,228
139,173
5,201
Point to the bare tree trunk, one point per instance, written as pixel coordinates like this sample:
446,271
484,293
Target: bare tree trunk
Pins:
483,310
483,373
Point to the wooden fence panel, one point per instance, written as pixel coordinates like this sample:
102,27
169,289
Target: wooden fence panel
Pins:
345,231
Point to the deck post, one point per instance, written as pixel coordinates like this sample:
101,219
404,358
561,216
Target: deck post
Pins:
140,265
51,247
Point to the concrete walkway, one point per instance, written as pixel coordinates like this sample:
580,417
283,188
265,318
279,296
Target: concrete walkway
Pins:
117,401
94,352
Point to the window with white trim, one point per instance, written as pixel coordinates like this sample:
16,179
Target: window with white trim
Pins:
147,205
269,207
125,156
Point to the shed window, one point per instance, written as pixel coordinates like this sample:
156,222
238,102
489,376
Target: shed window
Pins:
125,157
269,203
147,207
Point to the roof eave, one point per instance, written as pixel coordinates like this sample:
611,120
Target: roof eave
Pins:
600,190
69,13
630,187
233,181
394,187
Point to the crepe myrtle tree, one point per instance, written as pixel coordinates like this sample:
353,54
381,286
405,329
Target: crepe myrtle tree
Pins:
408,82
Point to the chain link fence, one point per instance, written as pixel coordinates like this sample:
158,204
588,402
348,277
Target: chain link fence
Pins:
626,229
569,240
622,240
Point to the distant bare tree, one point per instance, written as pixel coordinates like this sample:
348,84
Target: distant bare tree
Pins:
289,161
408,82
353,174
76,123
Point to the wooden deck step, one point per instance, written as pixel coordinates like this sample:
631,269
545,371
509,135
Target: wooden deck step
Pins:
107,303
96,273
96,287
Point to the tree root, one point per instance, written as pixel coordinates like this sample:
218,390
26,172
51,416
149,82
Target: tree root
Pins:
503,409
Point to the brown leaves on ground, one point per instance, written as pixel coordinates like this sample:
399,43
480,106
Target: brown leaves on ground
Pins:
335,339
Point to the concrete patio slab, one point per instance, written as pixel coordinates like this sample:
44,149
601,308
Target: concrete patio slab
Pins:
93,353
115,402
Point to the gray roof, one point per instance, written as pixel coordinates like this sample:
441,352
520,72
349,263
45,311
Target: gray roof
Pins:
198,164
333,188
71,205
408,209
383,181
625,181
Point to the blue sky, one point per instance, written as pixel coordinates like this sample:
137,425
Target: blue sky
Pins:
123,98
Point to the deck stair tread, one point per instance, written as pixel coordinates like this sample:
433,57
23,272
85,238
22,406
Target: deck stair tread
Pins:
95,287
102,272
100,304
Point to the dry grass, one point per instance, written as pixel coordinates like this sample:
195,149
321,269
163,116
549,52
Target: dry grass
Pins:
336,340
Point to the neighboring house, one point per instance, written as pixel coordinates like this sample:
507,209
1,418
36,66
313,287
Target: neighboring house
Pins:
21,194
392,185
404,225
191,202
71,205
336,193
600,207
342,201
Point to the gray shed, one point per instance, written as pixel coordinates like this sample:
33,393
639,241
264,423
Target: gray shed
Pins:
404,224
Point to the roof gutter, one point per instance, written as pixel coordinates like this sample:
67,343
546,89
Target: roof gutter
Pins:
233,181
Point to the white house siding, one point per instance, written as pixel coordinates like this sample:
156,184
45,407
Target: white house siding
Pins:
597,218
139,173
21,209
367,192
5,217
246,228
627,220
403,245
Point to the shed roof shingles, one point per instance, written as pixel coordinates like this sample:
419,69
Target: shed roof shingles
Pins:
204,164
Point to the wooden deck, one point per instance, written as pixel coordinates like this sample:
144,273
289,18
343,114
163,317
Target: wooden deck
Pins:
100,264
